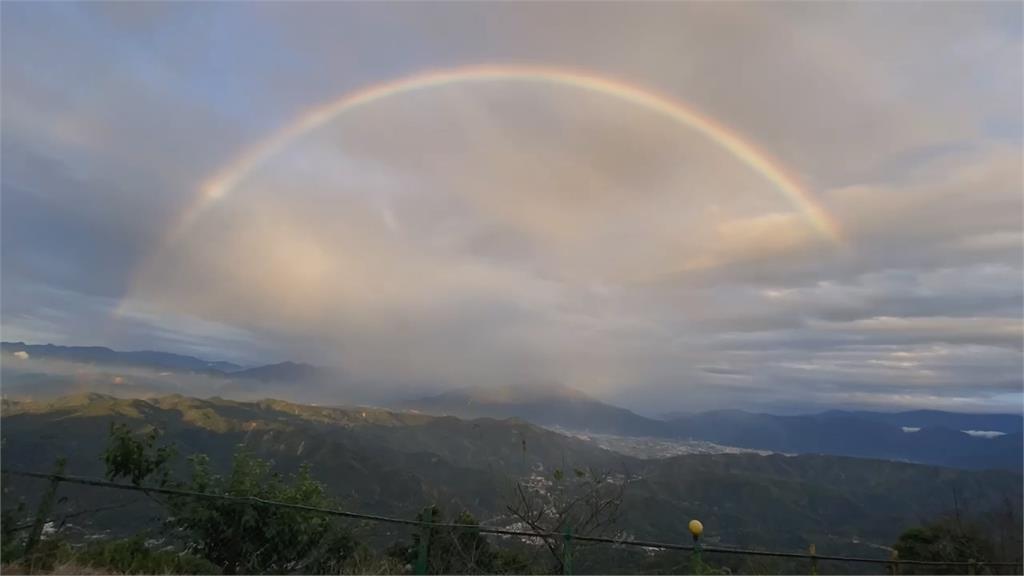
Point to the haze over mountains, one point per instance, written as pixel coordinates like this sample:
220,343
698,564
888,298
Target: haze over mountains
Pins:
544,404
925,436
48,371
754,479
100,355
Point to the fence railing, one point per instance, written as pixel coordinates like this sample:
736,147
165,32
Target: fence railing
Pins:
894,563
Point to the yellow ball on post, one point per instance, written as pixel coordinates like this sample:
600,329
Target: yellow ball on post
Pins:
696,566
696,528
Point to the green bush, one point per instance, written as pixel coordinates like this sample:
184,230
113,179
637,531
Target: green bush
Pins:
460,550
249,537
944,540
131,556
242,536
128,556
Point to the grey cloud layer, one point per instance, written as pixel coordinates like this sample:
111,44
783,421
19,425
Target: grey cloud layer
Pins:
497,233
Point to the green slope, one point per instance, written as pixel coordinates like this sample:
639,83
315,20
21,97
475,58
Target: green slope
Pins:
395,462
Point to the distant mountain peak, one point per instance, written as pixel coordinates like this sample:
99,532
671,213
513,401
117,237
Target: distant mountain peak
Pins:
101,355
520,392
282,371
542,403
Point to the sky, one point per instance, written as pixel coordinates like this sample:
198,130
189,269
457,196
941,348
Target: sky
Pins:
160,191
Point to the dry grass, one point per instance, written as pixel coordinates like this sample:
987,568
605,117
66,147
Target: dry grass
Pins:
64,569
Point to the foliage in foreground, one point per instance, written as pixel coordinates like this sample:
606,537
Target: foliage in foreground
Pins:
459,551
241,537
127,556
247,537
949,539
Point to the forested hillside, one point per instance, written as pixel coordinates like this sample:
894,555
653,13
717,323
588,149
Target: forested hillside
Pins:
396,463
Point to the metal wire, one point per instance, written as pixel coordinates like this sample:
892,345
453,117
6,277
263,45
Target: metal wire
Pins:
483,529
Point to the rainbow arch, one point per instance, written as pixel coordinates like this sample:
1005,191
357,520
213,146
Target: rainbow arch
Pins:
225,180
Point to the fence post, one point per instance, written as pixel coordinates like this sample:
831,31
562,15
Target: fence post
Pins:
970,566
696,529
45,505
567,550
814,560
423,556
894,562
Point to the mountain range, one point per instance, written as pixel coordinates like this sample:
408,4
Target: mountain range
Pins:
165,361
924,436
395,462
100,355
543,404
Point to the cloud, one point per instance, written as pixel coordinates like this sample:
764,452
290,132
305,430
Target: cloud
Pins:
984,433
21,355
502,232
724,371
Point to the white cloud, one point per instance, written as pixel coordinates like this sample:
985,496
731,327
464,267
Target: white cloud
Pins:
984,433
500,232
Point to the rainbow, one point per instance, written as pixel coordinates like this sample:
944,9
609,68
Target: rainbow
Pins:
221,184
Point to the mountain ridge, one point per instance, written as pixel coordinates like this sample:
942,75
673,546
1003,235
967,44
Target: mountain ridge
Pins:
939,440
543,404
383,461
102,354
926,436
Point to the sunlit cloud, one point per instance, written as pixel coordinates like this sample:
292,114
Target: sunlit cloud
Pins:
514,230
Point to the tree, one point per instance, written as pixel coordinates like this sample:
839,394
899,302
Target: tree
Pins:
583,503
948,539
1006,526
460,550
12,523
137,458
250,538
240,537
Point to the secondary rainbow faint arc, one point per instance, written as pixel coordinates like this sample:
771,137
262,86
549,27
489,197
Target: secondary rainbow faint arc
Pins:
227,178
